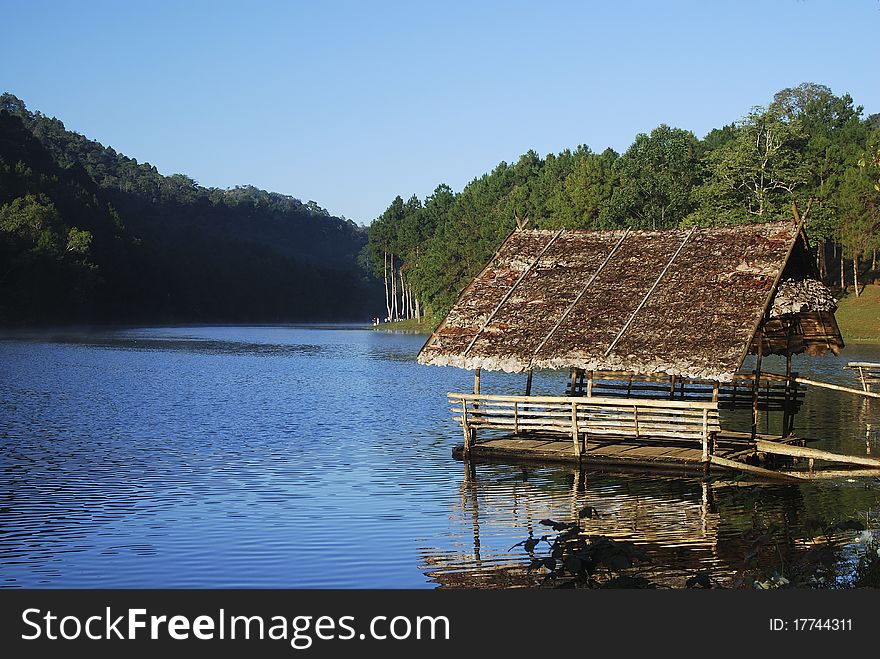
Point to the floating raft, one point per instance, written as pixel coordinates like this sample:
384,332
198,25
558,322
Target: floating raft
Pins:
661,454
734,452
669,435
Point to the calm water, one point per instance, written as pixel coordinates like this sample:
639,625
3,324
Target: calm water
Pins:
320,457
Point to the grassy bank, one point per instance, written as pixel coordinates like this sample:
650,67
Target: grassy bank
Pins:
421,326
859,317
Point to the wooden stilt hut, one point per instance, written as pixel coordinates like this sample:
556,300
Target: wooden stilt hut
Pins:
652,328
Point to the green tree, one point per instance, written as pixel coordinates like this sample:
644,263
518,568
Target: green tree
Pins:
752,177
582,200
658,174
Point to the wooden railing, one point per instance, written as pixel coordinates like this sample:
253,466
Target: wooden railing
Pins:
579,418
869,374
773,395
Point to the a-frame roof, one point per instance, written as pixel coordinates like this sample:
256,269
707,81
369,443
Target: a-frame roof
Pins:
682,302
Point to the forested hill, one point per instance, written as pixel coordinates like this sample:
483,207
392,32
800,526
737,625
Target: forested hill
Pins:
807,146
90,235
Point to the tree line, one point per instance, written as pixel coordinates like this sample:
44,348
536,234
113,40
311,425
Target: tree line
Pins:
808,146
88,234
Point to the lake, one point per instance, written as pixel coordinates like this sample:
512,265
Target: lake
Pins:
320,457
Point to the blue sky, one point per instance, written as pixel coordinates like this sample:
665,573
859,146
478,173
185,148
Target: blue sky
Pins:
351,103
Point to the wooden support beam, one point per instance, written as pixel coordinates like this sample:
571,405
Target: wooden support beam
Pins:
837,387
574,430
529,383
706,456
476,381
787,415
812,453
756,385
465,427
833,474
752,469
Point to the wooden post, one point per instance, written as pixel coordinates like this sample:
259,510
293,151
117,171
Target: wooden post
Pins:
464,425
515,417
760,337
671,386
574,430
590,384
787,416
706,461
573,384
476,404
528,392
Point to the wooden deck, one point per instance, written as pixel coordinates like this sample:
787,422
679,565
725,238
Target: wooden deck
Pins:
659,454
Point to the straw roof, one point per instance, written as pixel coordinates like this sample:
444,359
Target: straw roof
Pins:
681,302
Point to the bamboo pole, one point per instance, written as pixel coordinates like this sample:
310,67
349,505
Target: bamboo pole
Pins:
509,292
758,471
574,429
829,474
476,403
467,430
760,336
837,387
812,453
787,416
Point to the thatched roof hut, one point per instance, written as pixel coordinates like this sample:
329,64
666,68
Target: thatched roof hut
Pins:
682,302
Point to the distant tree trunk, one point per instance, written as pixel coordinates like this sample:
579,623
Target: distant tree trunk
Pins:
404,309
856,274
393,314
874,260
823,268
402,295
842,272
418,308
387,292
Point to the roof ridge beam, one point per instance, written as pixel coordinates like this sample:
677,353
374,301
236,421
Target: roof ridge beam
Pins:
510,292
650,291
579,296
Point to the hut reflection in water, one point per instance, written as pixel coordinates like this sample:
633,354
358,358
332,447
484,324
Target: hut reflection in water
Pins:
685,525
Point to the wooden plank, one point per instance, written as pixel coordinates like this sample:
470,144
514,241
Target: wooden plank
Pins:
817,454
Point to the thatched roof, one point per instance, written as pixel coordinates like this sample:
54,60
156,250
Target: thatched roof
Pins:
682,302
